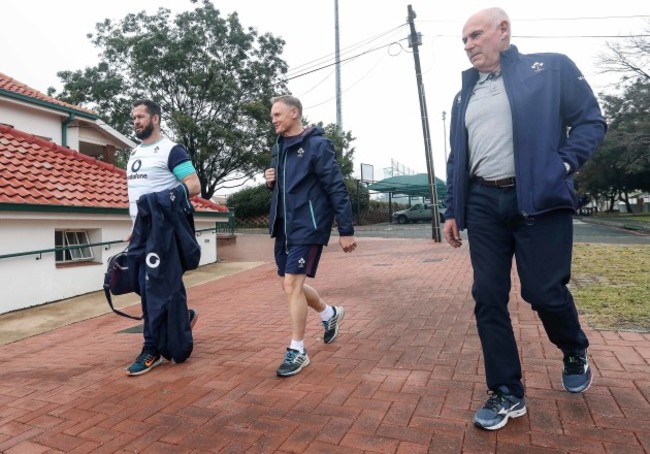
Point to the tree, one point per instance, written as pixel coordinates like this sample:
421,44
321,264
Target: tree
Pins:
622,164
212,77
251,201
342,144
631,58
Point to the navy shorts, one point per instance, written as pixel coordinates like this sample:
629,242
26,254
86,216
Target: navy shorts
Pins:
300,259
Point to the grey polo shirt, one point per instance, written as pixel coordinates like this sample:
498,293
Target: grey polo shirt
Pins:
489,127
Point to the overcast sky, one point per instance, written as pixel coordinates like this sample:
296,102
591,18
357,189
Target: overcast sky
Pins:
379,92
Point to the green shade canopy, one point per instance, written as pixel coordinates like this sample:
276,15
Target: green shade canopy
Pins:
413,185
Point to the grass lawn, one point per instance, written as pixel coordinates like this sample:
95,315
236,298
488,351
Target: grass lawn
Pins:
645,217
640,217
611,285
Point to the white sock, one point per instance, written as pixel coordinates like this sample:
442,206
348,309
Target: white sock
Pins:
327,313
297,345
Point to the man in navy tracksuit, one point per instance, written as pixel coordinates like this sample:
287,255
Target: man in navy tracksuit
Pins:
161,179
308,194
521,126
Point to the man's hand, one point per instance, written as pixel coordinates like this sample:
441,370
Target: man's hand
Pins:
451,233
347,243
269,174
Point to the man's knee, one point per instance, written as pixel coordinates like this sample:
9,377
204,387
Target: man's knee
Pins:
553,299
292,283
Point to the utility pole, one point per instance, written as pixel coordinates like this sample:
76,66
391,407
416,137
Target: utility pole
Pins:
414,42
337,59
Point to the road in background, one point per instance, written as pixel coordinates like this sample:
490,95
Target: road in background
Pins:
583,232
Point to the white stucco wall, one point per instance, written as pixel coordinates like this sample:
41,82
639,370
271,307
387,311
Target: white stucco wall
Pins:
91,135
45,123
33,280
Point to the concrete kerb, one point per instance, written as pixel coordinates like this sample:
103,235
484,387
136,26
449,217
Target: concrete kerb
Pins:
28,322
641,227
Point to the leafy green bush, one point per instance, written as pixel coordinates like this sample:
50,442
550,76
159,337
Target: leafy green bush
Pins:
249,202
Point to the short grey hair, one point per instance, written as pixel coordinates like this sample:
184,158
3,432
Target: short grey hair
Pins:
289,100
496,16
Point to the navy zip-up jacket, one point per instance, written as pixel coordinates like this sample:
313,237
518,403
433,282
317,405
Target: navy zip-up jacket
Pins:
555,119
312,189
163,245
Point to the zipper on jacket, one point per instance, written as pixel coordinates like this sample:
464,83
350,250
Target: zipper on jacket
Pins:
313,217
284,201
516,157
277,194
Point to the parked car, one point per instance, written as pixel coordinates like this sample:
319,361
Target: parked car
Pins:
418,212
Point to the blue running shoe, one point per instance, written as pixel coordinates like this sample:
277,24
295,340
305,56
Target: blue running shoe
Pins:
498,409
144,363
332,325
576,375
294,362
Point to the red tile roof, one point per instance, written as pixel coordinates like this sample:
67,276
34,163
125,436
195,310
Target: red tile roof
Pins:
36,171
12,85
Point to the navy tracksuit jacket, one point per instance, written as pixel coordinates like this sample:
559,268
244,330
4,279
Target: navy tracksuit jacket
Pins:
163,245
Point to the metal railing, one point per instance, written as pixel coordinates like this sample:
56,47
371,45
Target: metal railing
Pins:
228,228
40,252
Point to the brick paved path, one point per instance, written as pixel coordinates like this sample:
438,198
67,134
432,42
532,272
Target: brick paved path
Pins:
405,375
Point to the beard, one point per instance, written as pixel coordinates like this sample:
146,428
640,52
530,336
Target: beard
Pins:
145,132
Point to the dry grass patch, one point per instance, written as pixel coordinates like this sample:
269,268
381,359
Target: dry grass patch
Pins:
611,285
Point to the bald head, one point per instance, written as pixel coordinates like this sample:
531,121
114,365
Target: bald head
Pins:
485,35
496,18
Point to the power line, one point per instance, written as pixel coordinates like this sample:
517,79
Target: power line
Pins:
324,62
322,81
317,85
636,16
581,36
342,60
456,36
564,36
350,86
546,19
311,64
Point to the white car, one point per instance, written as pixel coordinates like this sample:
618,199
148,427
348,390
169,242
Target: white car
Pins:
418,212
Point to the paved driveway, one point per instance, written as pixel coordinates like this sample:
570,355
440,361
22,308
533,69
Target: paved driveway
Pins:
405,375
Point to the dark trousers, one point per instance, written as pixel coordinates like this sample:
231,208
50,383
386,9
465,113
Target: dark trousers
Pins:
542,247
166,327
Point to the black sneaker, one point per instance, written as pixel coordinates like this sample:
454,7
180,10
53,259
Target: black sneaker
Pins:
144,363
332,325
193,317
576,375
499,407
293,363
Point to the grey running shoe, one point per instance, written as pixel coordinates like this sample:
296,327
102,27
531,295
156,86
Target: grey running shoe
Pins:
294,361
498,409
576,375
332,325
